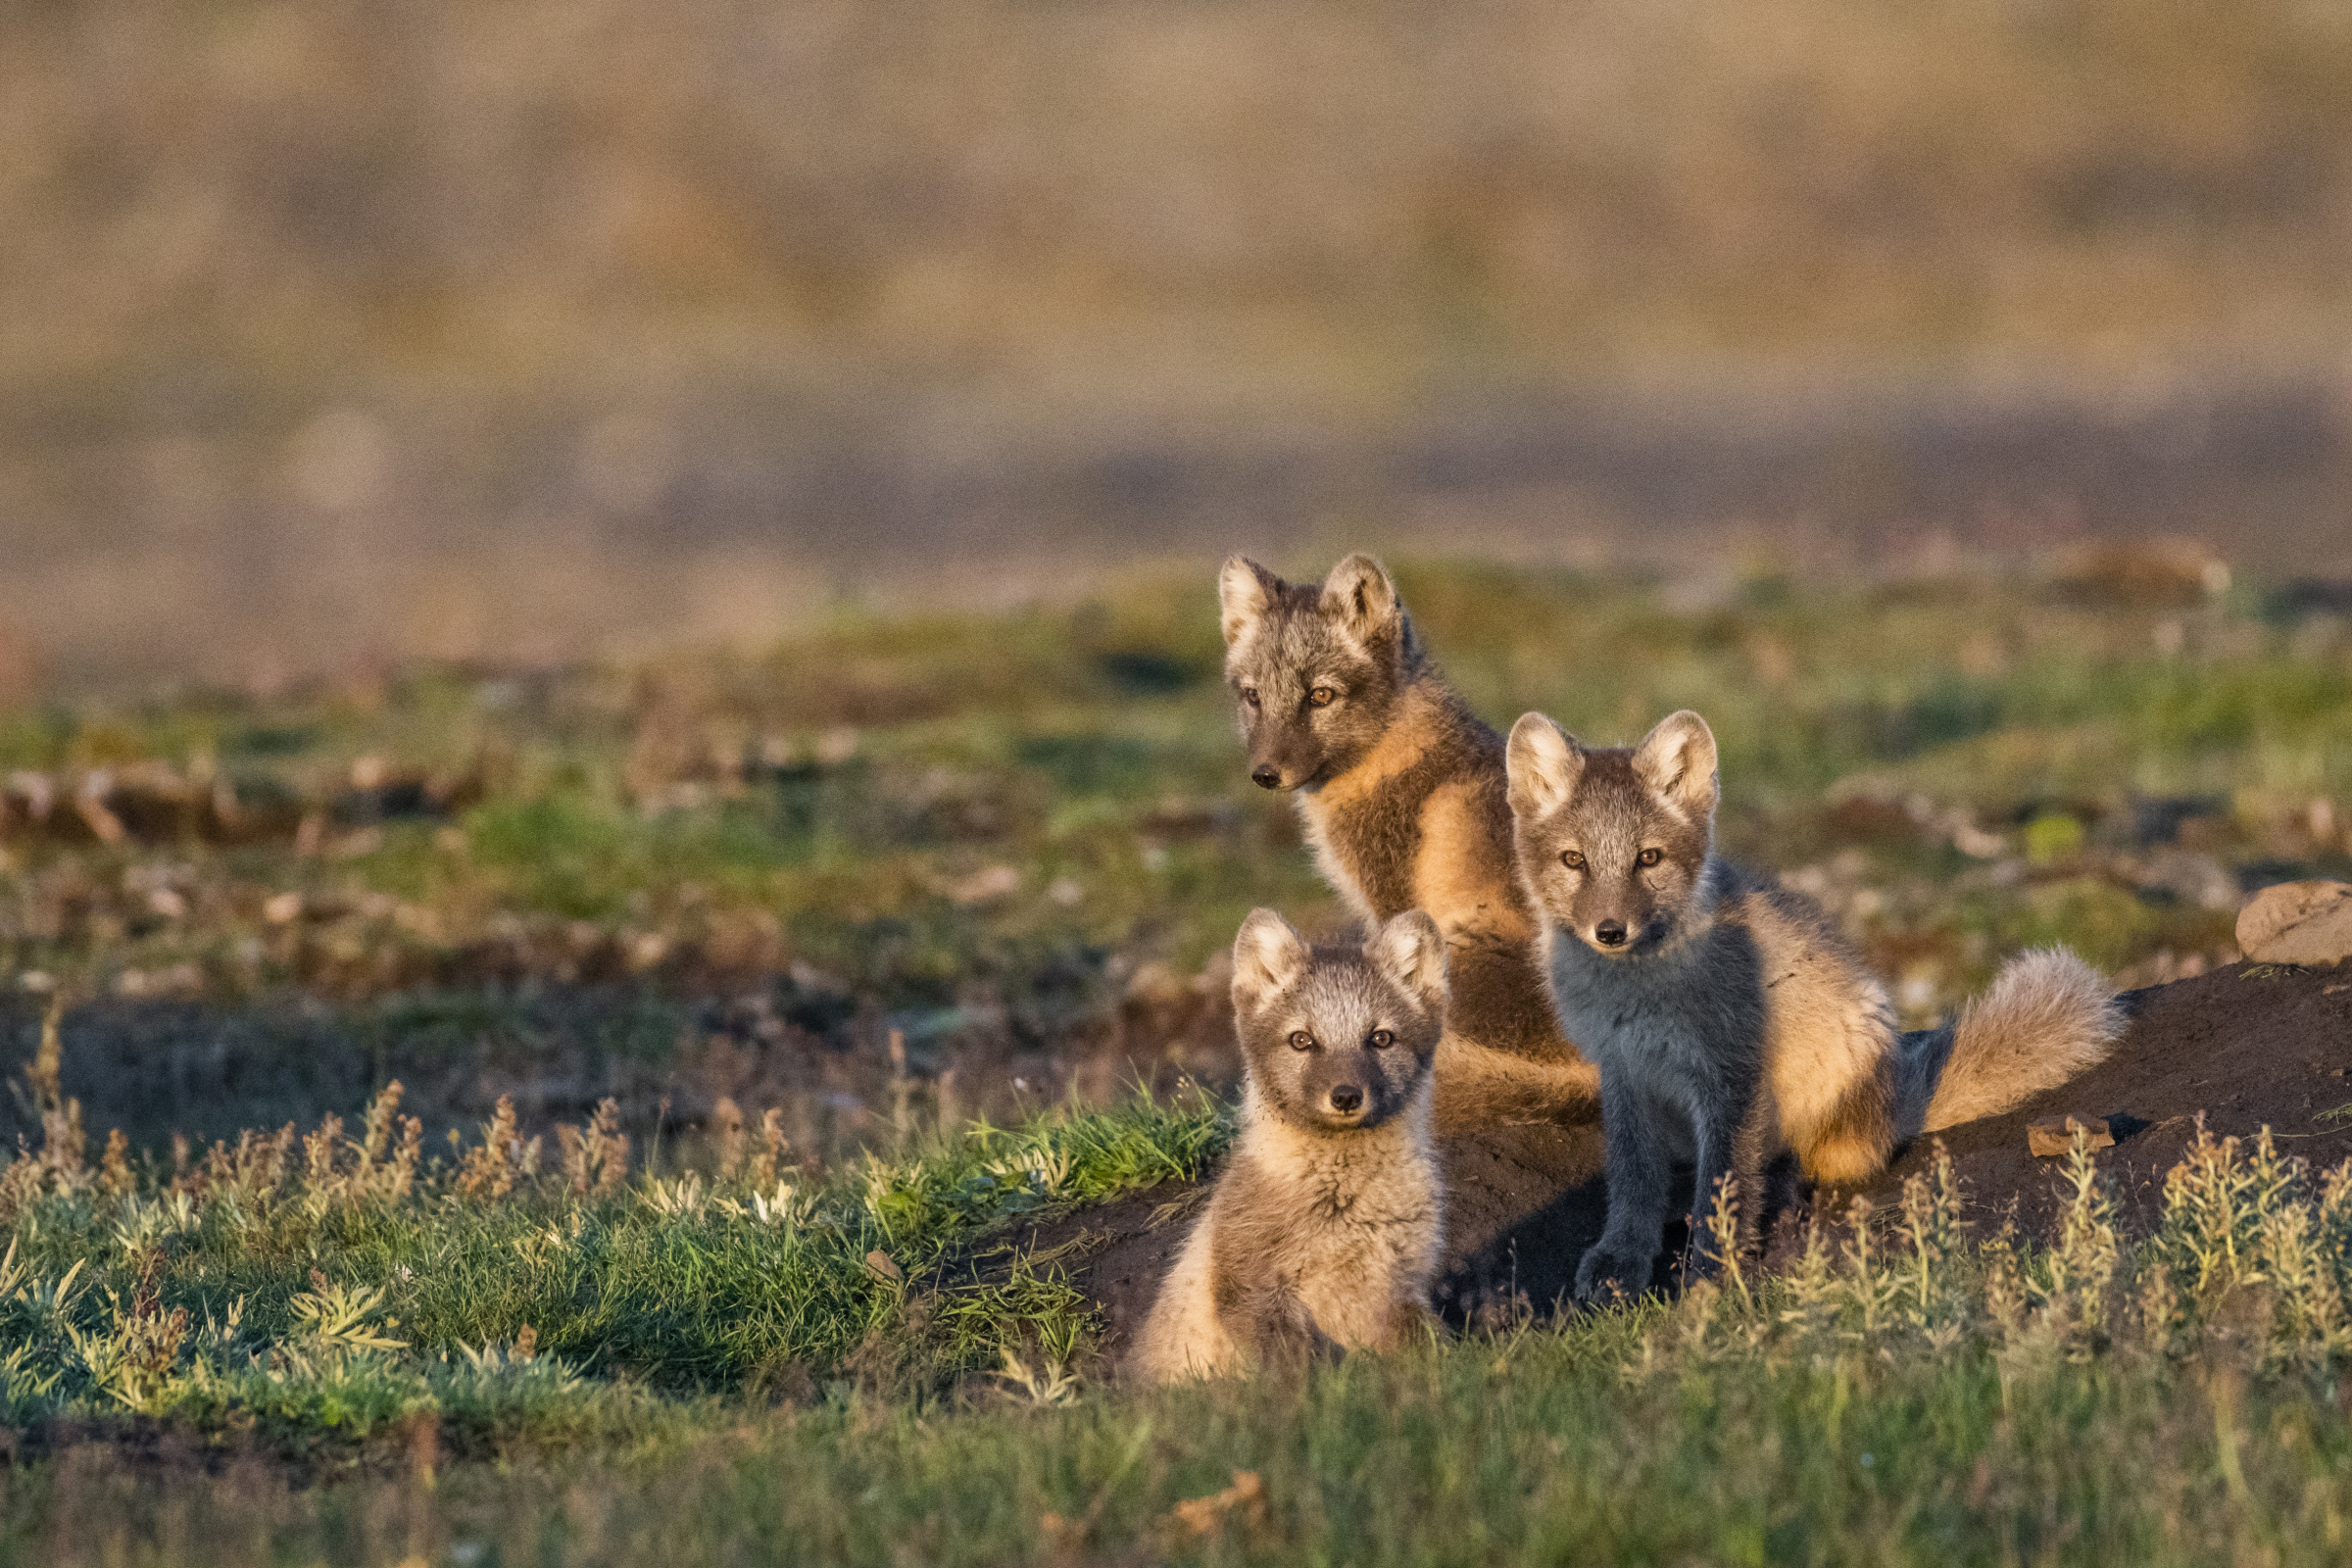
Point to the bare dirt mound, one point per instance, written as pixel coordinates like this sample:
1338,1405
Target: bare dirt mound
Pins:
2247,1047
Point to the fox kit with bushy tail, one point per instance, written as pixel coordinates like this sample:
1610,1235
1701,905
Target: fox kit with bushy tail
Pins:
1733,1021
1326,1225
1401,791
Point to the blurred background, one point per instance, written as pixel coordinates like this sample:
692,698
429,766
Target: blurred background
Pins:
342,334
571,549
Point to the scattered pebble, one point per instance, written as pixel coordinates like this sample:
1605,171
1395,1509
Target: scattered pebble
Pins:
2050,1139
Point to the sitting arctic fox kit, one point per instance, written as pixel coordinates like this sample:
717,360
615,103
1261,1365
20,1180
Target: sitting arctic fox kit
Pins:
1733,1022
1326,1224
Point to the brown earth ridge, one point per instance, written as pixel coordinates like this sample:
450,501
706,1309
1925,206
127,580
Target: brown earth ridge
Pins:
2243,1048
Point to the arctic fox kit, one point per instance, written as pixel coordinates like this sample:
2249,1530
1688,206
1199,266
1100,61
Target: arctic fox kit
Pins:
1400,790
1733,1022
1326,1224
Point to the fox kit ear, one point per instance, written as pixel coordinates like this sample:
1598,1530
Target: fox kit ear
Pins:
1360,595
1245,591
1677,760
1543,763
1268,957
1410,949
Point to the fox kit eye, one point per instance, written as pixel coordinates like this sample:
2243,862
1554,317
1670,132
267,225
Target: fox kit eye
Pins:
1250,695
1380,1039
1572,860
1648,857
1321,697
1301,1040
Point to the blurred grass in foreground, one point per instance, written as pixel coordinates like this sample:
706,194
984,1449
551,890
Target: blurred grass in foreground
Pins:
1917,1393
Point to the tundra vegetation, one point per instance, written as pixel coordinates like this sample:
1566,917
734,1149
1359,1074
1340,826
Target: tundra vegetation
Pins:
746,1012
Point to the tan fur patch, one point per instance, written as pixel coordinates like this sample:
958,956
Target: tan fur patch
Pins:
1829,1042
1404,742
1482,1088
1183,1336
1461,875
2047,1017
1334,866
1843,1157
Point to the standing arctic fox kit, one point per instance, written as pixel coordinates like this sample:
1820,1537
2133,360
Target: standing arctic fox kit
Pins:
1733,1021
1402,792
1327,1222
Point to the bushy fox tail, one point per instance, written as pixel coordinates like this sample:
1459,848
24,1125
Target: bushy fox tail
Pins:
2049,1017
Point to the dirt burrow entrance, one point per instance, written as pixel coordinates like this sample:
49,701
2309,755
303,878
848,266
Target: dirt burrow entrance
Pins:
2246,1046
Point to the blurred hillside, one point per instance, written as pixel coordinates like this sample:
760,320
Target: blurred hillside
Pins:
354,330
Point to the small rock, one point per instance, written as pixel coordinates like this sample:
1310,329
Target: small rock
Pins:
2049,1139
2297,922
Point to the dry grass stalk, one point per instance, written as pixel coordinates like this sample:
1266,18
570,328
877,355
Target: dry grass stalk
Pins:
753,1158
772,1157
504,1157
60,1163
250,1173
379,1165
115,1178
596,1155
726,1129
63,1141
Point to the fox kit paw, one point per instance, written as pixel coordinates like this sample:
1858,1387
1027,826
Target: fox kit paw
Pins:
1610,1273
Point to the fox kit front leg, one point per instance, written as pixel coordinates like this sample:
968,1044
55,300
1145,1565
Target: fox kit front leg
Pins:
1638,1176
1275,1325
1728,1151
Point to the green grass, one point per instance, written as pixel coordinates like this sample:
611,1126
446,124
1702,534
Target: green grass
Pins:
700,1281
1909,1391
844,801
1436,1457
977,830
1013,841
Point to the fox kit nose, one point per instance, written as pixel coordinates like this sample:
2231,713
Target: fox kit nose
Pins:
1264,776
1609,933
1347,1099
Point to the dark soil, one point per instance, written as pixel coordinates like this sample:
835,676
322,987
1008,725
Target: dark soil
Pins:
2245,1048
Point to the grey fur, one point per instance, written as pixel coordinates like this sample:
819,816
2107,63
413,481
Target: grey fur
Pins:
1325,1228
1733,1021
